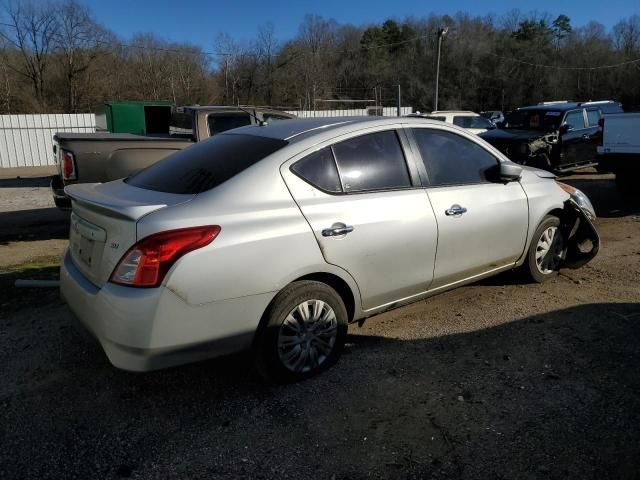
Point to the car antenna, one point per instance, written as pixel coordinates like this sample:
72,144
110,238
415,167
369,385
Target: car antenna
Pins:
262,123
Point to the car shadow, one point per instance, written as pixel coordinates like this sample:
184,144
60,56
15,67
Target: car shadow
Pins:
553,395
30,182
34,224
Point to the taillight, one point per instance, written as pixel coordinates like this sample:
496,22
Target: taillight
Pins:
68,165
148,261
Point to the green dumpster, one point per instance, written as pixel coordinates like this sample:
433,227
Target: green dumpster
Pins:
141,118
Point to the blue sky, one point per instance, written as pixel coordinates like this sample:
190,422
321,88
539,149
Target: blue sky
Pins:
199,21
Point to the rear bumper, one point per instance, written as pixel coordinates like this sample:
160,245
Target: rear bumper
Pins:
60,198
148,329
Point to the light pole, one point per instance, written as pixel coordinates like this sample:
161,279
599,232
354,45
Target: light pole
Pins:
441,33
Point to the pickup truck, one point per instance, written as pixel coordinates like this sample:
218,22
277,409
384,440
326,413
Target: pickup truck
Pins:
556,136
102,157
619,152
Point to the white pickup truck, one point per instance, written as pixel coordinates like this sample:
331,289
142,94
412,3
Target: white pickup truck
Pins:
619,151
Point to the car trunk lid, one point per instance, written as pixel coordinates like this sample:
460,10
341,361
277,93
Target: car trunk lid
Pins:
103,223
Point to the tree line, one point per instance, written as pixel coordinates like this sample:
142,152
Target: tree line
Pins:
55,57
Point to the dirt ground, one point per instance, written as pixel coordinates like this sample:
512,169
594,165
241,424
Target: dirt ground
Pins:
497,380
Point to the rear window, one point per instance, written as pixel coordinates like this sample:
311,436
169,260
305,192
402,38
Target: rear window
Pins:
205,165
221,123
468,121
181,123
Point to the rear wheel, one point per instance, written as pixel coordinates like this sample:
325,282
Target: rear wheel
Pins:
303,333
547,250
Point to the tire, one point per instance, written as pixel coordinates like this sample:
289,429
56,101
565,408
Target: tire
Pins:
289,349
543,265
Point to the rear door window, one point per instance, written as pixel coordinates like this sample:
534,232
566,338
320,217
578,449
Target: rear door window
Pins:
451,159
219,123
372,162
206,164
319,169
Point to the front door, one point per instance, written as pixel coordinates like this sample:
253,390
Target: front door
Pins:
482,223
367,215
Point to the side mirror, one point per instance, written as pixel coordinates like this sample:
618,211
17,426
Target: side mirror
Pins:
564,128
510,172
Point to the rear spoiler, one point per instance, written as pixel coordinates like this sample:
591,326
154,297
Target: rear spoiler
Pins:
120,200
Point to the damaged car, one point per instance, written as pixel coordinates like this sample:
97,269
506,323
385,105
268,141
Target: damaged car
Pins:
276,237
556,136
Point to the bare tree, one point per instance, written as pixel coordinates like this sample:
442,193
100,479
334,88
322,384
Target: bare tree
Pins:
626,34
267,47
80,41
32,30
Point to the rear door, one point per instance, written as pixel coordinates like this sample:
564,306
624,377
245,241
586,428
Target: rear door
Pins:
368,212
574,138
482,224
593,133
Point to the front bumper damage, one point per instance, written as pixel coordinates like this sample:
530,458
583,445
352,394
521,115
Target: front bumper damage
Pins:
583,241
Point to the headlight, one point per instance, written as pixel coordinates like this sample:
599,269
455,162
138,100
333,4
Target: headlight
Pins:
580,198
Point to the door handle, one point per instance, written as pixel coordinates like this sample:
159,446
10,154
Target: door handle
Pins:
455,210
337,231
586,137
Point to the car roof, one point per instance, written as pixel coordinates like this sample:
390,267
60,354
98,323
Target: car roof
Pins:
552,107
298,128
230,108
565,106
456,112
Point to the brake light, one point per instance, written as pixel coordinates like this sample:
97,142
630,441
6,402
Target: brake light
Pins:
68,165
148,261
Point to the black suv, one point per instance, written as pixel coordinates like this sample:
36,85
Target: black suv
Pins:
556,136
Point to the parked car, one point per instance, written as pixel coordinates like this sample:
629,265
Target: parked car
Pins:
465,119
102,157
556,136
619,151
276,237
496,116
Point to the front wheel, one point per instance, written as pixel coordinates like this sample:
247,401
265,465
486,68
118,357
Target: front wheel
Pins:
547,250
303,332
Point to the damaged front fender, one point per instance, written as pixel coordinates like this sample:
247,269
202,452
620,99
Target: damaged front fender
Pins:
583,241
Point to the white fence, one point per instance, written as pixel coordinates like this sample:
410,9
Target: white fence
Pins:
353,112
27,140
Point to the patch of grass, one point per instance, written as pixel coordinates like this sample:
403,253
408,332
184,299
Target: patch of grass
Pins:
13,299
40,269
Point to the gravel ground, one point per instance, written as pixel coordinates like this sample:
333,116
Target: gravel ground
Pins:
500,379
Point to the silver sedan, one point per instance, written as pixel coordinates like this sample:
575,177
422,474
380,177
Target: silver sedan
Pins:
276,237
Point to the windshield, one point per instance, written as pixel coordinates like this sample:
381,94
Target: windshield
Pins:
468,121
206,164
543,120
